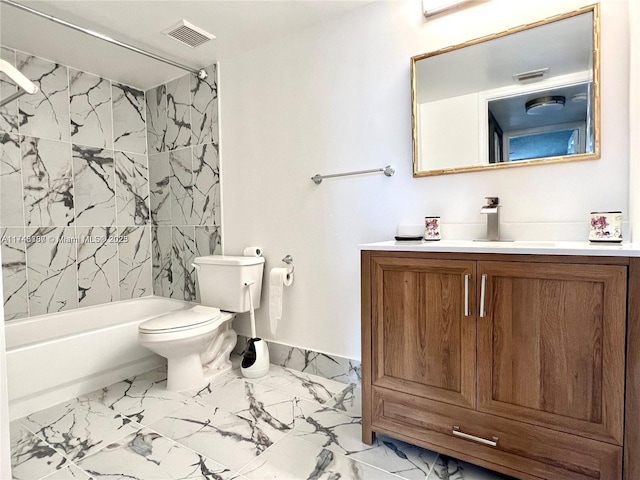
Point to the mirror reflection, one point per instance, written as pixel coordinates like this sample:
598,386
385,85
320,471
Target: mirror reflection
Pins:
521,97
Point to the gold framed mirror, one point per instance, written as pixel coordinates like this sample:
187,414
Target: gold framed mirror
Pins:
527,96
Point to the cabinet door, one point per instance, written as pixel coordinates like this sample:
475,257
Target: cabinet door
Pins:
551,345
423,327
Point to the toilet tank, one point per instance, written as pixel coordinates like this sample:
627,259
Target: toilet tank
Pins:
222,278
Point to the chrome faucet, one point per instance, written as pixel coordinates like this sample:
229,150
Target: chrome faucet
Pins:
492,211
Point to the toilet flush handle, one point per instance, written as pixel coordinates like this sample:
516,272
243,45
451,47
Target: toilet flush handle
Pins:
196,266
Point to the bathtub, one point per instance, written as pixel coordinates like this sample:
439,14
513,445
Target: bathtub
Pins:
56,357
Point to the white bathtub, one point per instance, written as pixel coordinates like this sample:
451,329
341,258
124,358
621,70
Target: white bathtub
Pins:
53,358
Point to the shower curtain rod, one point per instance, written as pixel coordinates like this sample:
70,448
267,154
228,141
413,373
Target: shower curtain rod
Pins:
201,73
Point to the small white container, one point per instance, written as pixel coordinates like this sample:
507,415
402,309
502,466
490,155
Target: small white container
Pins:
409,232
606,227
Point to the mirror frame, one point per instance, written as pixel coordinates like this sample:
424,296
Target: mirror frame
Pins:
595,9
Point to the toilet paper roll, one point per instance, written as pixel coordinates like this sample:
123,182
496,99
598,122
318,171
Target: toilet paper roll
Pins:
252,252
278,279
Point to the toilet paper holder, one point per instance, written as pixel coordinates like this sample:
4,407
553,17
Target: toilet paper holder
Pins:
289,261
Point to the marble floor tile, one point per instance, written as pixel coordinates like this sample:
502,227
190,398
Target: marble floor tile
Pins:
287,425
447,468
332,429
397,457
341,432
255,402
72,472
32,457
216,384
144,398
147,455
301,385
291,458
303,409
224,437
349,400
79,427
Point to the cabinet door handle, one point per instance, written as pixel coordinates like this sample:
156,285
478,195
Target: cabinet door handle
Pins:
492,443
466,295
483,284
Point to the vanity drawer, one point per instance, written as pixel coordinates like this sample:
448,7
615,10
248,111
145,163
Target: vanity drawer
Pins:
519,449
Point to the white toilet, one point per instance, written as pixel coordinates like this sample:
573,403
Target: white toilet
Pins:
197,341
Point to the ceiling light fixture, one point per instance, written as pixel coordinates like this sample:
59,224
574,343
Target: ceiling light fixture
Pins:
579,97
542,105
432,7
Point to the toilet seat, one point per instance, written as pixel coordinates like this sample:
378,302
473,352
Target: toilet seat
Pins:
181,320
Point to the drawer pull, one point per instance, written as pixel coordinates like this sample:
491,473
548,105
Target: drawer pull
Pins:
466,295
492,443
483,286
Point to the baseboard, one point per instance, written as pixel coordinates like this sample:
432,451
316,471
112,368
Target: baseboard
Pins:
337,368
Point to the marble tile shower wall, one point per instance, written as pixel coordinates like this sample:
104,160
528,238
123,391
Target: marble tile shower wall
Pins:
103,195
184,180
74,195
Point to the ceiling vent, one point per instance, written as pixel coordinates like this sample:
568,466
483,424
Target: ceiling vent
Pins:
188,34
531,76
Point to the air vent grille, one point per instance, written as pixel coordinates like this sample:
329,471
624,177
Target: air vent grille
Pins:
532,76
188,34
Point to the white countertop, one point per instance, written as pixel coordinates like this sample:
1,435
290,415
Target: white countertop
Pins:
624,249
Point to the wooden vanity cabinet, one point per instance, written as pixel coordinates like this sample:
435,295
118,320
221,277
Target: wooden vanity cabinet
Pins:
513,362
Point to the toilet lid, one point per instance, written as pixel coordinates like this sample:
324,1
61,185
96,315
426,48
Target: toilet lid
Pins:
180,320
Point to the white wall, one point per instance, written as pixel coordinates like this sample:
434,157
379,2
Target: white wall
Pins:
337,98
634,119
457,147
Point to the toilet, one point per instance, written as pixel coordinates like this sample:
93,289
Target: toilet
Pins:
198,341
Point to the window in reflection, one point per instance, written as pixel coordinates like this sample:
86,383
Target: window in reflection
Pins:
541,145
542,124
